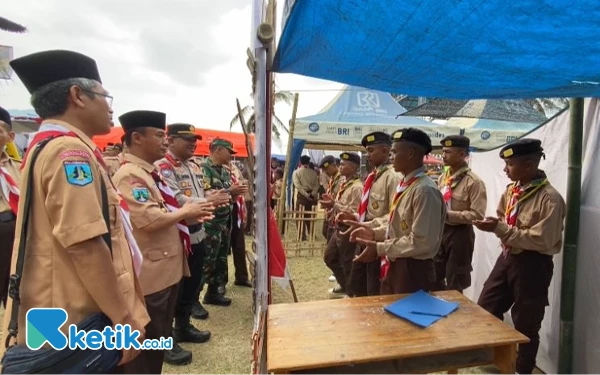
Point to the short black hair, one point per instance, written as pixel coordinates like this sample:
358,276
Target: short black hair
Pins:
129,133
304,159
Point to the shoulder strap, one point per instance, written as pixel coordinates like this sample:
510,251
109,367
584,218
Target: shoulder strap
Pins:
15,279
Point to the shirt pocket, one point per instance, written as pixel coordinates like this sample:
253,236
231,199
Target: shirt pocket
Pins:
162,253
377,202
460,200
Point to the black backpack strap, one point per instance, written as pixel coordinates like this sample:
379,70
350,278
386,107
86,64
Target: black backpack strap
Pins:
15,279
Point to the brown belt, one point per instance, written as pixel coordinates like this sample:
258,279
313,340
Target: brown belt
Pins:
7,216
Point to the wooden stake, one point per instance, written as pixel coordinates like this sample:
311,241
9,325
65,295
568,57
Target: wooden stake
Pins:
282,199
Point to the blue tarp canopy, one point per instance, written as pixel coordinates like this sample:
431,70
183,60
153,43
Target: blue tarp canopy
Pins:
465,49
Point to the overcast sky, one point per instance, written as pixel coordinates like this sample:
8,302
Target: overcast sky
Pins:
183,57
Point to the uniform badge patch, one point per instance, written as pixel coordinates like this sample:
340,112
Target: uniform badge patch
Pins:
188,192
404,225
166,172
79,173
375,205
140,194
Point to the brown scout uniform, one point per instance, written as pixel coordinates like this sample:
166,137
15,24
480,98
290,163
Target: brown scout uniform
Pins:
7,225
63,215
415,234
365,277
340,251
453,261
113,163
306,182
520,281
165,261
332,189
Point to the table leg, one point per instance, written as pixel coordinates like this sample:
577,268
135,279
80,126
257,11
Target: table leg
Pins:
505,358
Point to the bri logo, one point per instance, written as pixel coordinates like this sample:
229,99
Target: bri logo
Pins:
43,326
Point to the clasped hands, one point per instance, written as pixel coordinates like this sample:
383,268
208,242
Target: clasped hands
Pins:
359,233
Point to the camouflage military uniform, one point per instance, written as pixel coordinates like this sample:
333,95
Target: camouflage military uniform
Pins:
218,230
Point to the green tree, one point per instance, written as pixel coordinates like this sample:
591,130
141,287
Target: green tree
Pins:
278,125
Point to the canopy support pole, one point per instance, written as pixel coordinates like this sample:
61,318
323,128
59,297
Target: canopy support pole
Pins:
569,268
281,204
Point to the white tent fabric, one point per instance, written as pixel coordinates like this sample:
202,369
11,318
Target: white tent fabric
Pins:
555,138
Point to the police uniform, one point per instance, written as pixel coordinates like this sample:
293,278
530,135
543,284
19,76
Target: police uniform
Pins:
218,230
238,241
531,233
7,217
66,212
415,226
378,199
465,197
184,177
165,260
333,185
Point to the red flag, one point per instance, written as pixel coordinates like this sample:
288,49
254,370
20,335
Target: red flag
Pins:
277,260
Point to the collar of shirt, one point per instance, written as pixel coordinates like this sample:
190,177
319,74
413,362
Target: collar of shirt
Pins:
413,174
87,140
3,157
142,163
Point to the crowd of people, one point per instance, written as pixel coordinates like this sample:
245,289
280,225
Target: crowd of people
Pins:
134,234
399,231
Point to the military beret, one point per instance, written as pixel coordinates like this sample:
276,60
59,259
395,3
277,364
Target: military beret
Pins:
376,138
41,68
223,143
143,119
183,130
522,147
5,116
456,141
327,161
350,156
414,136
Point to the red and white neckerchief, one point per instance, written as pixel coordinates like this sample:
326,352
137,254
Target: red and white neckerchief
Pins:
345,185
10,189
364,198
47,130
401,190
512,207
450,182
172,205
332,182
239,201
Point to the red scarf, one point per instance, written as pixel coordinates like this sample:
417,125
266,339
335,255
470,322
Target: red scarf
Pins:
364,199
450,182
401,190
10,189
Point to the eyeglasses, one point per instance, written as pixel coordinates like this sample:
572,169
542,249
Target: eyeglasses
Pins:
109,99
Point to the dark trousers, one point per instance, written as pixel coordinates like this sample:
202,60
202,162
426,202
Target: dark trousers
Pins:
238,248
520,283
365,277
338,257
190,288
409,275
249,217
453,260
7,239
161,308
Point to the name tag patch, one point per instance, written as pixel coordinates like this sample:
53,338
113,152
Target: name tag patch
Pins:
79,173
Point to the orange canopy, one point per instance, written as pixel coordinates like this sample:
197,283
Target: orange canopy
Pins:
238,140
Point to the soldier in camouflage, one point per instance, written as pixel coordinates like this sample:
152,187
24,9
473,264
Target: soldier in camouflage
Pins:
218,230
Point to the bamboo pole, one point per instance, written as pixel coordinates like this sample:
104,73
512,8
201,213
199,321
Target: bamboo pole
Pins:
569,268
282,199
249,149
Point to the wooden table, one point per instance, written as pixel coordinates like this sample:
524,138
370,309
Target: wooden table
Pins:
355,335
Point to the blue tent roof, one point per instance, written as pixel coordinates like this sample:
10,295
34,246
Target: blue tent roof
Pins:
451,49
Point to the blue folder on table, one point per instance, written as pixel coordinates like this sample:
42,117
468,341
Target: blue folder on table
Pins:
421,308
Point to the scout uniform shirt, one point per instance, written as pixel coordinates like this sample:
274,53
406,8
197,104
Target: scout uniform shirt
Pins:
217,177
165,262
416,228
306,182
382,192
186,180
348,196
66,209
113,163
334,183
539,225
13,167
468,200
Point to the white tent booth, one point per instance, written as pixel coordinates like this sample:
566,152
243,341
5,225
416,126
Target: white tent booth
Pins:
555,139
